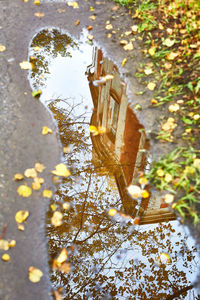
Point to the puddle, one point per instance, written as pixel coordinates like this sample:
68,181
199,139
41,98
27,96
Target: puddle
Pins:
109,256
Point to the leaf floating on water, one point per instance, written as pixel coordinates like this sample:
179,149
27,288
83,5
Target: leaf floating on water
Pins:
90,37
5,257
30,173
165,258
18,177
2,48
37,48
12,244
36,184
34,274
135,191
58,294
39,167
47,193
56,219
77,22
39,14
93,18
37,2
21,216
46,130
96,131
53,206
24,191
61,170
112,212
62,257
20,227
36,93
66,205
25,65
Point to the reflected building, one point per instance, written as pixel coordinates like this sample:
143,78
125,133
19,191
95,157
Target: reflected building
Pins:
122,148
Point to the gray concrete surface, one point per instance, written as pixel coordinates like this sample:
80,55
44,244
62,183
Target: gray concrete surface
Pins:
21,120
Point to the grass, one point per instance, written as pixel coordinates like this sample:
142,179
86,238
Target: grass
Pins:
170,31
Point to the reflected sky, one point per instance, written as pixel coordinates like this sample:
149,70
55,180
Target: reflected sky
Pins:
110,257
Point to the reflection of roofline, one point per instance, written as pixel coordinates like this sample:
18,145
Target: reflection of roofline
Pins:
157,216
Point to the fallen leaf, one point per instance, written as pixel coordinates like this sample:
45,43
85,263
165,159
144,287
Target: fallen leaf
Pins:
109,27
93,18
53,206
34,274
134,28
21,216
36,93
65,267
61,170
168,66
172,55
165,258
61,11
91,8
20,227
24,191
109,35
62,257
58,294
148,71
36,185
168,177
196,163
112,212
90,28
18,177
5,257
169,125
74,4
123,42
123,62
135,191
168,42
46,130
143,180
56,219
137,220
174,107
160,172
39,167
168,198
160,26
66,149
66,205
114,8
37,2
4,245
37,48
25,65
30,173
128,47
90,37
154,101
47,193
77,22
151,86
2,48
39,14
152,51
145,194
12,243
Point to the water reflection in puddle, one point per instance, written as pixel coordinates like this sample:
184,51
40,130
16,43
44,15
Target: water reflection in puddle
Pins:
107,257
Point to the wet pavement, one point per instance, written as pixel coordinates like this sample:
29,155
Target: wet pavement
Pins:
97,243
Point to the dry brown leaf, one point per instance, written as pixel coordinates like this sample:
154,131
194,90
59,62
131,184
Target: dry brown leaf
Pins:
30,173
77,22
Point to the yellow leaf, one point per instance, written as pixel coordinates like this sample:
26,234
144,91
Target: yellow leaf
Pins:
123,62
160,172
2,48
62,257
112,212
196,163
123,42
47,193
66,205
26,65
30,173
24,191
65,267
128,47
37,48
58,295
143,180
5,257
93,18
165,258
39,167
61,170
174,107
101,129
36,185
152,51
73,4
168,198
160,26
56,219
135,191
53,206
167,65
18,177
90,37
34,274
168,42
109,27
94,130
168,177
134,28
145,194
148,71
39,14
4,245
151,86
21,216
46,130
66,149
37,2
20,227
172,55
12,243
